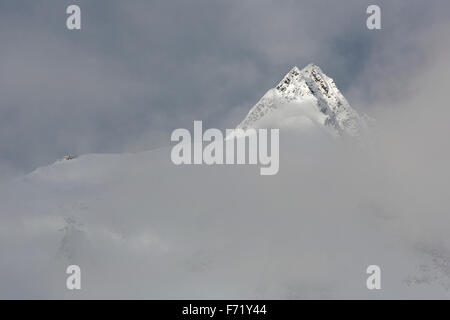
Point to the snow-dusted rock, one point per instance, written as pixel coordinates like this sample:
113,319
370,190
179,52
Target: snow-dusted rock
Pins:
305,98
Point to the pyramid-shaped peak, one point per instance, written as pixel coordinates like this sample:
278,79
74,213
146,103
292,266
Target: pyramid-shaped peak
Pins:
297,78
308,93
305,72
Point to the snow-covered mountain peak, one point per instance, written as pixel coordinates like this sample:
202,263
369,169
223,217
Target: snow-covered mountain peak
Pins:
305,97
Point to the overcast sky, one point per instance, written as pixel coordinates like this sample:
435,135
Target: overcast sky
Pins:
139,69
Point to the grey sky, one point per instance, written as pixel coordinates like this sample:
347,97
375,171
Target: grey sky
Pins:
139,69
